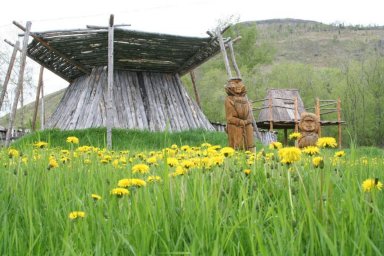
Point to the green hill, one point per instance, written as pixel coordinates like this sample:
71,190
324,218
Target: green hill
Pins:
50,102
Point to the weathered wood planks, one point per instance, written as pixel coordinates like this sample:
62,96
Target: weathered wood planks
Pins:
141,100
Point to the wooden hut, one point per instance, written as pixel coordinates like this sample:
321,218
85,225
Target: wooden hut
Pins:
147,93
280,109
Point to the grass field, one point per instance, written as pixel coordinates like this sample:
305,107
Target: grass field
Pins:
187,194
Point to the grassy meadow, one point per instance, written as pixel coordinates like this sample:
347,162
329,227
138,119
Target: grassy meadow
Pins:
63,193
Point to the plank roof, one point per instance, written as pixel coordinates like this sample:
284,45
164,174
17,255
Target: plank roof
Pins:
283,111
73,53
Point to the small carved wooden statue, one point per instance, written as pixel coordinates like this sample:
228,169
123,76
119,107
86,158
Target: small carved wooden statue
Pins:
309,128
239,117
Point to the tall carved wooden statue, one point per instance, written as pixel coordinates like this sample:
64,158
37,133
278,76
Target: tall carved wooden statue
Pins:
309,128
239,116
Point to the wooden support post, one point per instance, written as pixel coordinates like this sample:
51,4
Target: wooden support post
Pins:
197,97
9,72
20,81
317,112
296,115
233,59
22,123
110,83
270,115
42,113
339,120
38,90
224,52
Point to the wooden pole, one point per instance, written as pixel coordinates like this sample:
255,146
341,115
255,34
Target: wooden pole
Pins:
22,110
224,52
339,120
296,115
110,83
193,78
38,90
20,81
42,114
317,112
233,59
270,114
9,72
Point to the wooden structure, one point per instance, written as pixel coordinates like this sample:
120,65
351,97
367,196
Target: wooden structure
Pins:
326,107
282,108
147,90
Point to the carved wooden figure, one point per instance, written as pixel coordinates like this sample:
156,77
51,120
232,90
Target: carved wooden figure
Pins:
239,116
309,128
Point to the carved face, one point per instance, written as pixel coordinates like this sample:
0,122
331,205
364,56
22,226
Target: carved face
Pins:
235,87
308,124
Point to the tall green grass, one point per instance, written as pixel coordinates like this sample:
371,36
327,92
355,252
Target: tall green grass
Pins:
123,139
215,211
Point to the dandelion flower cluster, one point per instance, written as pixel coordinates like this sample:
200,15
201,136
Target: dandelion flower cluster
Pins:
326,142
131,183
76,215
371,184
154,179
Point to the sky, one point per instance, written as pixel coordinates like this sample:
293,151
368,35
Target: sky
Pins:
181,17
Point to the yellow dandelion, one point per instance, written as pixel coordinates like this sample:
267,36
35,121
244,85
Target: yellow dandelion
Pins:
153,179
311,150
40,144
318,161
76,215
131,183
73,140
247,171
171,161
218,160
289,155
275,145
179,171
119,192
187,164
87,161
52,163
95,197
294,136
185,148
340,153
326,142
13,153
227,151
370,184
152,160
140,168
